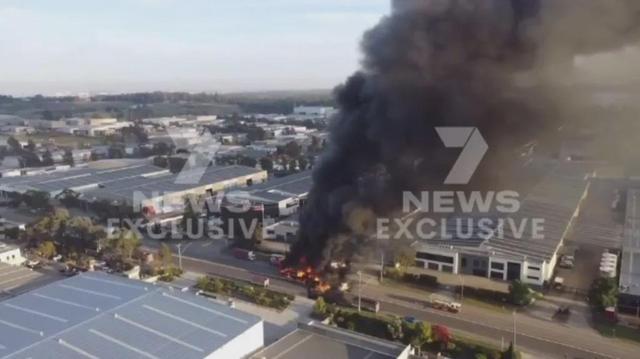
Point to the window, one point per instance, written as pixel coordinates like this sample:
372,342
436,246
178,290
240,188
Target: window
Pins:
534,268
434,257
447,269
497,265
497,275
464,262
533,277
432,266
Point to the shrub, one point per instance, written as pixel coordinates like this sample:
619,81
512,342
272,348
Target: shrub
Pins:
246,291
320,308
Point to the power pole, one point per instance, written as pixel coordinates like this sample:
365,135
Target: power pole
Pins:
359,291
514,330
381,266
179,246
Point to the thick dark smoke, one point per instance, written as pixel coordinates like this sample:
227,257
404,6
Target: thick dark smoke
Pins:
482,63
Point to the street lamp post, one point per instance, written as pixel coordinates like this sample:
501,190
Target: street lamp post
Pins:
359,291
381,266
514,330
179,246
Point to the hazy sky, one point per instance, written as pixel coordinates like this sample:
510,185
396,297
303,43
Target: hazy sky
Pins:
194,45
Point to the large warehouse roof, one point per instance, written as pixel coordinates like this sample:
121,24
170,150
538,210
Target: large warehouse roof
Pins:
630,266
167,183
316,341
78,178
96,315
283,188
120,183
554,200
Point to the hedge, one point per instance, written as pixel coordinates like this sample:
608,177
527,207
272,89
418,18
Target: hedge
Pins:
247,291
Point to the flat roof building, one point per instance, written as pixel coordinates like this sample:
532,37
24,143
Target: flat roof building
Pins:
135,184
96,315
317,341
630,265
508,254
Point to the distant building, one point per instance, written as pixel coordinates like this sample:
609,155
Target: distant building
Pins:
313,112
96,315
93,126
11,120
9,253
318,341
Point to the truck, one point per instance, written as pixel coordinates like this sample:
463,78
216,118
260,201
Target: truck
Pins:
443,303
365,303
244,254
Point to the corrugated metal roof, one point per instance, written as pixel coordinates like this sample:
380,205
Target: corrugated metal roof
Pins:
96,315
554,200
298,184
630,265
148,186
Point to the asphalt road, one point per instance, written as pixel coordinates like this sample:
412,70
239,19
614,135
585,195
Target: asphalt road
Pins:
545,340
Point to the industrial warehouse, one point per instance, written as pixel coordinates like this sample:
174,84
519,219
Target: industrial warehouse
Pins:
96,315
556,200
144,186
630,266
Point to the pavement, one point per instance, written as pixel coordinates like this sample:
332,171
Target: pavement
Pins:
544,337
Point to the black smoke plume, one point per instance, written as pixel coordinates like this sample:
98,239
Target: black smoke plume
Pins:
481,63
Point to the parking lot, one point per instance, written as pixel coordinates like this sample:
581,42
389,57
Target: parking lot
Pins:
597,229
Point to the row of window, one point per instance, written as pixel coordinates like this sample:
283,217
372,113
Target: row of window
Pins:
434,257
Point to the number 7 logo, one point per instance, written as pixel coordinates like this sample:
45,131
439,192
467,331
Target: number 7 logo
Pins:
474,147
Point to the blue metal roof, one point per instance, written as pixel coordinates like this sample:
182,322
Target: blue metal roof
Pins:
96,315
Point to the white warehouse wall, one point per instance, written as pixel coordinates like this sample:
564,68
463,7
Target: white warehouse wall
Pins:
242,345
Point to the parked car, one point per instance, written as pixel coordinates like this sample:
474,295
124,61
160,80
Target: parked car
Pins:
33,264
244,254
276,259
566,261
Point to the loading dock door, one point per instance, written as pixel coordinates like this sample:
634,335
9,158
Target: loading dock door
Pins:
513,271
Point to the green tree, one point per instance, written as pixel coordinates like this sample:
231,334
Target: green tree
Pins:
67,158
36,199
266,164
293,165
417,334
124,243
31,146
510,353
191,215
603,293
247,161
394,329
320,308
14,144
47,249
47,158
520,293
303,163
293,149
165,255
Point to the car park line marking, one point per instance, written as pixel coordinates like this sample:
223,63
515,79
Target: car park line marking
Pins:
76,349
35,312
158,333
122,344
205,308
16,326
174,317
63,301
100,294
